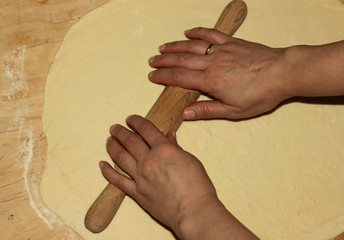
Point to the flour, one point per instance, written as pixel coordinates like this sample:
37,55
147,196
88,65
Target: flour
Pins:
14,70
32,190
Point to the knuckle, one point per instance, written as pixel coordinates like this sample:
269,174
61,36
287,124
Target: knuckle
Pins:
165,149
141,190
231,46
130,140
196,44
206,111
149,169
181,58
119,182
121,157
178,74
221,57
162,152
143,126
193,44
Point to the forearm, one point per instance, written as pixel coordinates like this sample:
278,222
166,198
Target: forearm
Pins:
212,221
315,70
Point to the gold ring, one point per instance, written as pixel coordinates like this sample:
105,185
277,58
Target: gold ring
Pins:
208,49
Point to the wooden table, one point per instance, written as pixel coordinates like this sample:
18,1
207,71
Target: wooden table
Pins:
30,33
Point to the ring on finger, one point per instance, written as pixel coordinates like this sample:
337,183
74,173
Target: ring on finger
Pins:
208,49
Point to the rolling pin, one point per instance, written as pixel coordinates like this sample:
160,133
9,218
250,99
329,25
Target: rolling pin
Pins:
166,114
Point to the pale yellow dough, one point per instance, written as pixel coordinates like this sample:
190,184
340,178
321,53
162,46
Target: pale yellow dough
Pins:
280,174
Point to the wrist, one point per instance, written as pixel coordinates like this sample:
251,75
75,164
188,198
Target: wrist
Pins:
209,219
292,71
314,70
192,218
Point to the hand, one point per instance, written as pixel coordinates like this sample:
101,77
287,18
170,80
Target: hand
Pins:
164,179
171,184
244,78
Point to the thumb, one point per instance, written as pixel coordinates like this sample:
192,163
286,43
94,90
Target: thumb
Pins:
205,110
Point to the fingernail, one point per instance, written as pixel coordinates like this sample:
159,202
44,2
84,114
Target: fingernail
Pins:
151,59
128,118
108,139
112,128
101,164
150,74
186,31
189,114
162,48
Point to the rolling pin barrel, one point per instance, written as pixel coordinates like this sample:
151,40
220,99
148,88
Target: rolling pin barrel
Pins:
166,114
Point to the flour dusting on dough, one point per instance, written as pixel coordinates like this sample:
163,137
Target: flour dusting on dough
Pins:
139,30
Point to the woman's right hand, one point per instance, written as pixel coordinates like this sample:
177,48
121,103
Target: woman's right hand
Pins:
244,78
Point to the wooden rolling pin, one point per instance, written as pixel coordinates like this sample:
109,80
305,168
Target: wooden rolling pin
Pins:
166,114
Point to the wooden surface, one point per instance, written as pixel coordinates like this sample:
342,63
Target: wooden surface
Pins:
31,31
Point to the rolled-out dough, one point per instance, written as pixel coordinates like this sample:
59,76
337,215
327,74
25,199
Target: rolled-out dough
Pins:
280,174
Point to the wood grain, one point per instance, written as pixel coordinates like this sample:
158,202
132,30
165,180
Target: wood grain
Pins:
31,31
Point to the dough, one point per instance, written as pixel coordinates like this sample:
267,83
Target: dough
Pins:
280,174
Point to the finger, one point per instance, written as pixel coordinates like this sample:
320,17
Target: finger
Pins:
121,157
185,60
120,181
205,110
182,77
186,46
130,141
171,135
210,35
151,134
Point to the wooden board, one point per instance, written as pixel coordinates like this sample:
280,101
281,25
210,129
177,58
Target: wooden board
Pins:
31,31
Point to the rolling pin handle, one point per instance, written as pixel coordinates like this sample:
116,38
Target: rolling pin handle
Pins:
107,203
